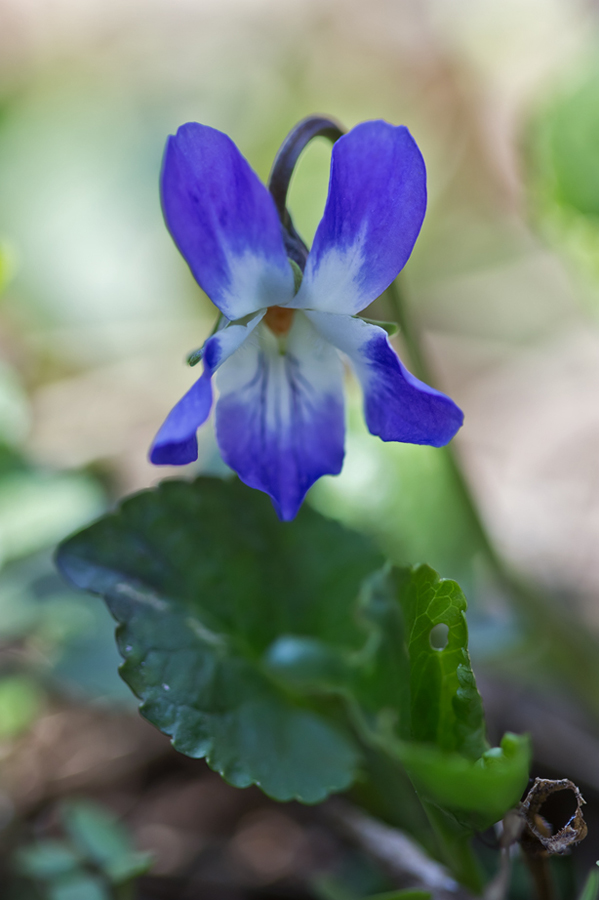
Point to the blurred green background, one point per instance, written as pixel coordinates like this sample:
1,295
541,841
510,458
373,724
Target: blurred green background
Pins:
98,310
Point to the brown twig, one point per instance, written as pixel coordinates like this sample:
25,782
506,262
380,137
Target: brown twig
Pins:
513,826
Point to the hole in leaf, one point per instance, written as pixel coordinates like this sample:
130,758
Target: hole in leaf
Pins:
439,636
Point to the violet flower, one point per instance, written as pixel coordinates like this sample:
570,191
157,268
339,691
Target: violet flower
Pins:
280,420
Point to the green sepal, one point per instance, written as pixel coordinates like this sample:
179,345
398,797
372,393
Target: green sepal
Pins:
392,328
196,356
298,275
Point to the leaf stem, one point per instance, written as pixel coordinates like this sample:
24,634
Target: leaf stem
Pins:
456,847
538,866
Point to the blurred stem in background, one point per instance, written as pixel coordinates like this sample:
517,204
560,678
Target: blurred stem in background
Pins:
574,650
456,847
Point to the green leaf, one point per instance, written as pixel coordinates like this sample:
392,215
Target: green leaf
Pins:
14,413
447,755
374,676
102,839
445,706
37,509
203,579
417,702
21,700
79,886
590,890
563,170
239,632
568,144
46,860
478,793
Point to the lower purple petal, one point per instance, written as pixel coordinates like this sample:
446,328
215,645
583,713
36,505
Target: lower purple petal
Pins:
176,443
280,415
397,406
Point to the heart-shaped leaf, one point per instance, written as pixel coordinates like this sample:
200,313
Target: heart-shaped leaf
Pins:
203,578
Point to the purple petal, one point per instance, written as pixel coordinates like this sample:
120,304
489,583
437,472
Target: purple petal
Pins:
373,214
397,406
280,417
176,443
225,342
224,222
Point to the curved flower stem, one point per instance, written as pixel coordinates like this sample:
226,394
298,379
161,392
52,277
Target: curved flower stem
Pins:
575,653
282,170
286,159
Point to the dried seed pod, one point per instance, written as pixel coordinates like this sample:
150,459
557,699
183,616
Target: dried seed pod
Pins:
538,839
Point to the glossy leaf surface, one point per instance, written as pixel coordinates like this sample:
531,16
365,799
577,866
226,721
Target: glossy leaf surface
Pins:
202,579
448,757
247,638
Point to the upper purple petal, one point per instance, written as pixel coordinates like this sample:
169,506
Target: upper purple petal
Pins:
397,406
280,416
224,222
373,214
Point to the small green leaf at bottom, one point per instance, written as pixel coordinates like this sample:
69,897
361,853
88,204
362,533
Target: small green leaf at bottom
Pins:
103,840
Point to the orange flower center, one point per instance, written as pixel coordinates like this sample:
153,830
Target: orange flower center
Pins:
279,319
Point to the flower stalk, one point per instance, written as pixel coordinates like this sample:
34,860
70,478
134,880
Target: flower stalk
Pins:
282,169
542,611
